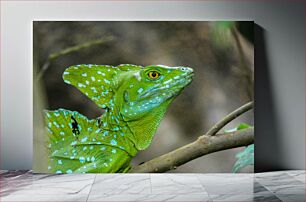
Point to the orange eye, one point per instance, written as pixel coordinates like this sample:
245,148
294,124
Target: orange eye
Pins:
153,74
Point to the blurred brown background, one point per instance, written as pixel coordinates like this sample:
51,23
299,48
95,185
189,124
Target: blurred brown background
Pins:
221,54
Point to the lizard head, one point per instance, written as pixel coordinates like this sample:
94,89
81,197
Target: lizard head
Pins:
136,95
145,95
151,87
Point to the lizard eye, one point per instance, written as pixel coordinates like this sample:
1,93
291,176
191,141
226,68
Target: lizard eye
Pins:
153,74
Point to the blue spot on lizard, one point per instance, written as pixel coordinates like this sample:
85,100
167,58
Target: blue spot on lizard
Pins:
135,99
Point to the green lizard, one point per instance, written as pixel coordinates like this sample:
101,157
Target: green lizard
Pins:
135,99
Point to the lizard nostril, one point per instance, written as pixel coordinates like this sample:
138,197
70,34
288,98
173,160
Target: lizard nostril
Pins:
186,69
183,69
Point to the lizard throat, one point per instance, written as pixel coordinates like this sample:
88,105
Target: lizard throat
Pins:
116,132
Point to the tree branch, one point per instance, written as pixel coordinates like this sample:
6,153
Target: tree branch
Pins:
205,144
69,50
202,146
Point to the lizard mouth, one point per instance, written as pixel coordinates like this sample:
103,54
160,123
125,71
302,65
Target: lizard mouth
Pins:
189,77
180,84
170,90
186,79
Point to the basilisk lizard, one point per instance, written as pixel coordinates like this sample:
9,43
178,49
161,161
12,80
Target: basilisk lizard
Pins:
134,98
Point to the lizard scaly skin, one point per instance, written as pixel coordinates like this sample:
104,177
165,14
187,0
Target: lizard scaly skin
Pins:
135,99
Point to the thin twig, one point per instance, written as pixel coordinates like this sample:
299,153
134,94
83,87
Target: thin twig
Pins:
246,70
243,59
69,50
212,131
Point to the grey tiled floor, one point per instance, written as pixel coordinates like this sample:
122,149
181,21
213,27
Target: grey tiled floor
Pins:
272,186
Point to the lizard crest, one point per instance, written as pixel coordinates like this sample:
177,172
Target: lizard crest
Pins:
135,99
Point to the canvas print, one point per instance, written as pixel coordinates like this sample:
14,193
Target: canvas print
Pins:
134,97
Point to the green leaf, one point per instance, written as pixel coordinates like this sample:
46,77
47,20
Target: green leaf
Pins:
245,158
239,127
224,25
243,126
221,33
